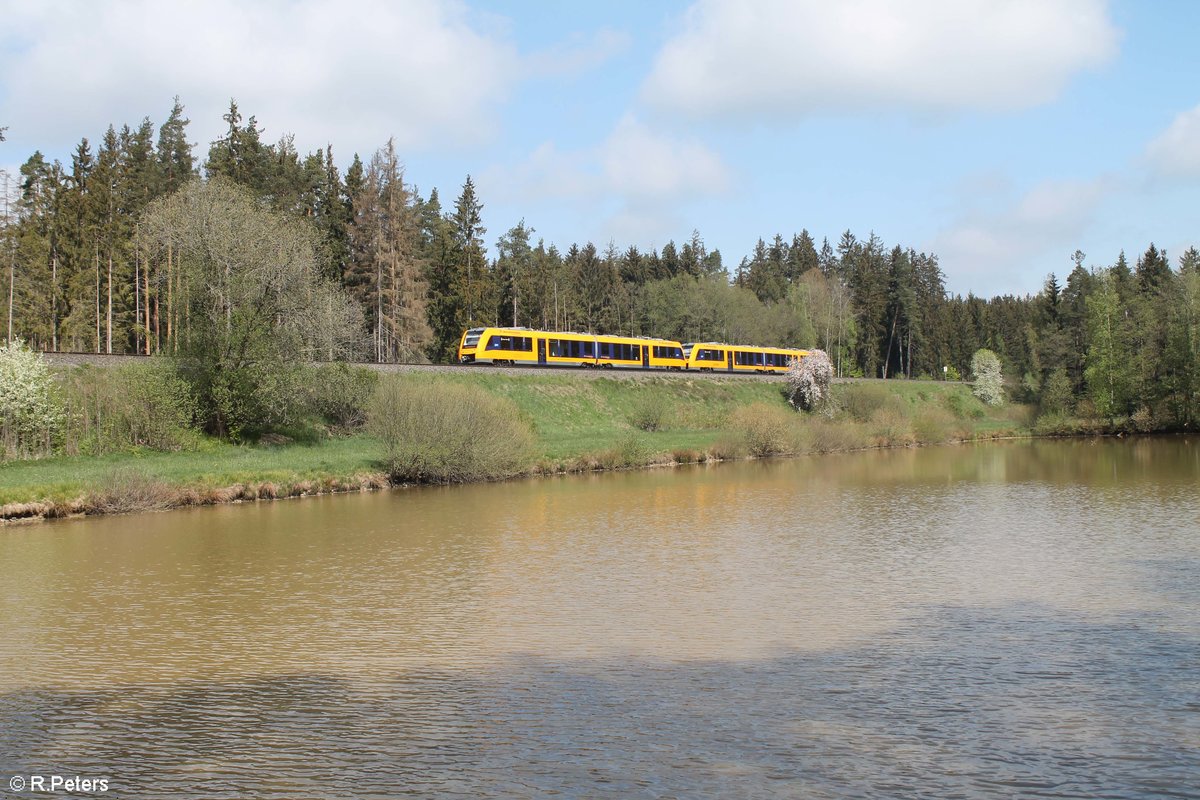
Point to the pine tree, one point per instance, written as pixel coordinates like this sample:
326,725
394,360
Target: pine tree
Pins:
240,155
446,311
902,313
175,160
668,261
514,267
802,256
1153,271
468,233
1189,262
80,256
332,214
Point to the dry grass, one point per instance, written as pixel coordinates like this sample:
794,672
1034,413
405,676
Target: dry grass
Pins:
933,425
127,491
826,436
891,428
764,430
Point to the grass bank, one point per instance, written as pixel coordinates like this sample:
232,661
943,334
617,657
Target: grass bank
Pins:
575,424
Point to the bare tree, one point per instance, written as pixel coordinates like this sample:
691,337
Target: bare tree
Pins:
255,304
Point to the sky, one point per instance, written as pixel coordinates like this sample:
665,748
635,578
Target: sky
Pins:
1001,135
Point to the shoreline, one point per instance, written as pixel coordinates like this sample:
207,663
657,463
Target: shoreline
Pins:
603,424
164,497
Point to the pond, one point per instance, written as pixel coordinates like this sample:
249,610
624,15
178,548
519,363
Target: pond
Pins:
997,620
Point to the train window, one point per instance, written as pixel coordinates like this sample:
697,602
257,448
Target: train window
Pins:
576,349
605,349
555,347
520,343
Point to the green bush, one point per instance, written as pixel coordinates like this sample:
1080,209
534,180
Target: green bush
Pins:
651,411
1056,393
964,406
338,394
629,451
114,409
1055,423
862,400
444,432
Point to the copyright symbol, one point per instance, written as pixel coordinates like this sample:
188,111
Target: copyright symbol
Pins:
16,783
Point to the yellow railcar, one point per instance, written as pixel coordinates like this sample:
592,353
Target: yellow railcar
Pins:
524,346
712,356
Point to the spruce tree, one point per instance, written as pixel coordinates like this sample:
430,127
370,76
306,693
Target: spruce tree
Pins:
468,233
174,153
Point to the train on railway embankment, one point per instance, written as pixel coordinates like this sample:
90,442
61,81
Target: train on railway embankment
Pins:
513,346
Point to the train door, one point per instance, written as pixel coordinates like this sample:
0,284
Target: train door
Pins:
541,345
729,360
645,355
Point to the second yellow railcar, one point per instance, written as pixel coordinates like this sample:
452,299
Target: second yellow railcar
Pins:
713,356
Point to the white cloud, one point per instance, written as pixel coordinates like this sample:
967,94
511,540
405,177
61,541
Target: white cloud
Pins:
578,54
353,72
640,163
633,163
1176,151
1013,247
787,58
632,184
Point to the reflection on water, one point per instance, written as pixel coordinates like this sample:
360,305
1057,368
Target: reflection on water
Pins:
994,621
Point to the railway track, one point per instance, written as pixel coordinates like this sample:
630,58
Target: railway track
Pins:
71,359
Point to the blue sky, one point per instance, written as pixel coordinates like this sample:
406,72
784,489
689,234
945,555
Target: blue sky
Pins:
1001,135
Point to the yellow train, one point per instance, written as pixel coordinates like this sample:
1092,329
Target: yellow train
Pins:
553,348
712,356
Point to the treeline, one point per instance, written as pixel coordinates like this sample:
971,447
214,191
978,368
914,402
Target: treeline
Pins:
84,275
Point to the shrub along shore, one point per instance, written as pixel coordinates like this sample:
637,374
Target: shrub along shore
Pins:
372,432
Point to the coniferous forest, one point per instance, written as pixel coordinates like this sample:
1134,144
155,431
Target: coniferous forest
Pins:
83,273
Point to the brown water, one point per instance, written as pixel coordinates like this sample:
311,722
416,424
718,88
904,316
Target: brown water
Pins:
1007,620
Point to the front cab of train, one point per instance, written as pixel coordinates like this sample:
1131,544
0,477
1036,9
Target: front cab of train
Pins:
469,345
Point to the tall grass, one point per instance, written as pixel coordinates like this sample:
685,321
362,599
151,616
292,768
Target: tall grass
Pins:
765,430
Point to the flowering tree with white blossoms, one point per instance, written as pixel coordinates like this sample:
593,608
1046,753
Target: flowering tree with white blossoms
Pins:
989,383
30,414
809,379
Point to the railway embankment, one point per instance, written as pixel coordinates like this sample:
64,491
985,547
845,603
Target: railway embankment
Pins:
572,422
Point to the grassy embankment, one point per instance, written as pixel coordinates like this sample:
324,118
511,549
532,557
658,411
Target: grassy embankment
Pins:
577,424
